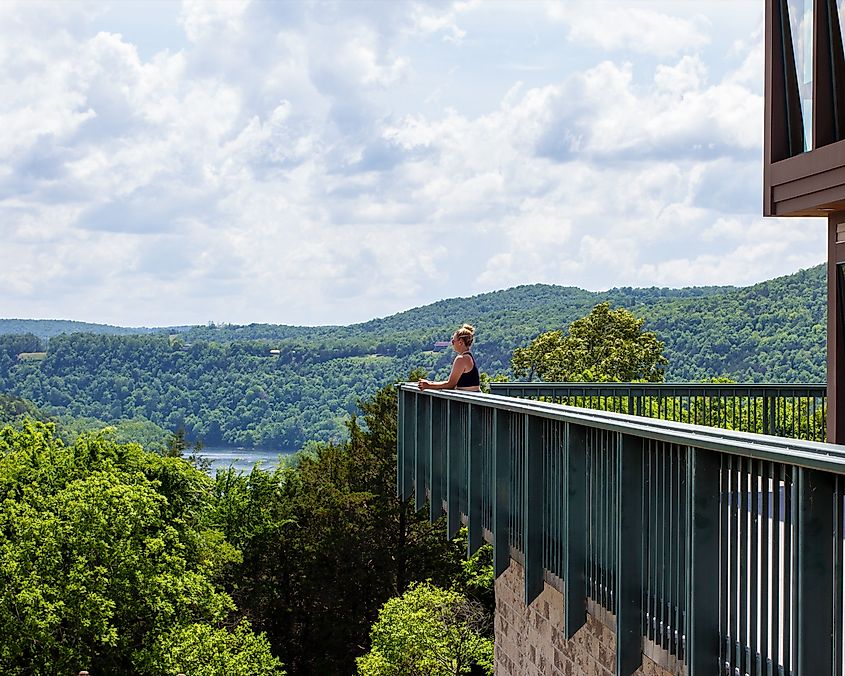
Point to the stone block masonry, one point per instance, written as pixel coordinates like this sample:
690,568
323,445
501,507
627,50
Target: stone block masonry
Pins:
529,641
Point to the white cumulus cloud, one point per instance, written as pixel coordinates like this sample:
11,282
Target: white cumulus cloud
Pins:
329,162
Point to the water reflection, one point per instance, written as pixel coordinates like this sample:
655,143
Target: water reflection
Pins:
242,459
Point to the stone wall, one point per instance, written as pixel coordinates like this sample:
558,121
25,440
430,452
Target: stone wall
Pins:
529,641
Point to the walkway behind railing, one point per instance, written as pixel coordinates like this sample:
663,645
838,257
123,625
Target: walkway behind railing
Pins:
720,549
793,411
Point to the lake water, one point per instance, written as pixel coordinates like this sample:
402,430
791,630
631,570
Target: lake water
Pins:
242,459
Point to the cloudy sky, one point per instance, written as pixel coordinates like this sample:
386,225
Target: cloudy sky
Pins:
330,162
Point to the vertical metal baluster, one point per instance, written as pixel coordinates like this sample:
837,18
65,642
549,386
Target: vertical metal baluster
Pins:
423,450
788,559
629,467
651,573
594,519
601,490
776,472
654,539
409,440
707,595
502,494
796,413
486,481
744,518
681,539
564,440
765,596
454,469
574,534
546,503
811,420
591,515
549,491
400,438
562,499
766,419
654,499
475,534
604,483
607,482
612,528
520,432
708,403
670,528
610,492
645,517
663,557
814,573
754,561
555,486
616,522
464,488
837,577
737,421
532,513
725,469
734,565
514,481
438,449
673,549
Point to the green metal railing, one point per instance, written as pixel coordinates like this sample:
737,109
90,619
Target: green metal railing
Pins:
794,411
722,548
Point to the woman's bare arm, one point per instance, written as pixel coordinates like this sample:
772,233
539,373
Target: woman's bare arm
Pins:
459,366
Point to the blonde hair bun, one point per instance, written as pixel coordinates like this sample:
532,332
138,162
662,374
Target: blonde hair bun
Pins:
466,333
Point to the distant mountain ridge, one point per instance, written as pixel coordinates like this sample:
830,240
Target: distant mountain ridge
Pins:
47,328
518,298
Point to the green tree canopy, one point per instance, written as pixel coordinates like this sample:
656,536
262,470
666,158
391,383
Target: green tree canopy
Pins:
108,563
428,631
605,346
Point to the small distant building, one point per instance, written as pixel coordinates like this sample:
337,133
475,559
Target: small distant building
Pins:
275,352
32,356
442,343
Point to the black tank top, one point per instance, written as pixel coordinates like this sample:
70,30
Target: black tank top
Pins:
470,378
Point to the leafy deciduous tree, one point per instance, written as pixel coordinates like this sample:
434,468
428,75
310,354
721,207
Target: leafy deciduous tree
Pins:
428,631
605,346
106,559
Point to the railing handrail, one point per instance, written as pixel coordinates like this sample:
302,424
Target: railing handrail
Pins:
809,454
643,388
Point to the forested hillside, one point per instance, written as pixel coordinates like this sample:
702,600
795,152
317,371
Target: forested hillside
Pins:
770,332
224,385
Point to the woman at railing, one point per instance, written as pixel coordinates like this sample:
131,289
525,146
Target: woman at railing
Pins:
464,375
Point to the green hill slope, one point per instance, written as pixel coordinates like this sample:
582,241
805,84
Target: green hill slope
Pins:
225,385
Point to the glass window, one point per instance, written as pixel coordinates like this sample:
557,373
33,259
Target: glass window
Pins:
840,6
801,27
